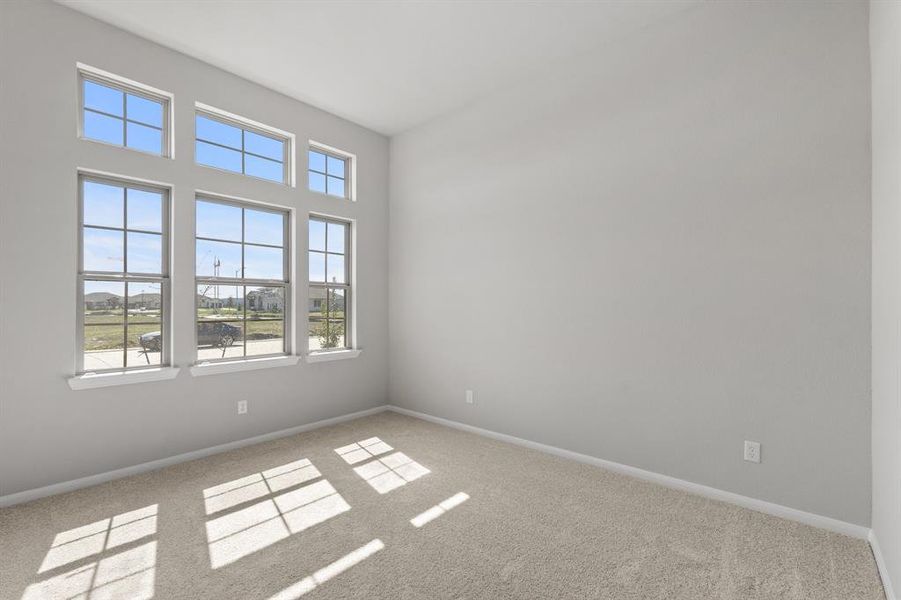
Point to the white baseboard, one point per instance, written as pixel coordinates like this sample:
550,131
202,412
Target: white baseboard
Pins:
75,484
883,568
849,529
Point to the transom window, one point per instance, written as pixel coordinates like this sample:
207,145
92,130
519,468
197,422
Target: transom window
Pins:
242,280
328,173
123,275
234,147
121,115
330,289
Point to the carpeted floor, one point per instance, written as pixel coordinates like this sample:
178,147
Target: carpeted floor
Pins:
296,518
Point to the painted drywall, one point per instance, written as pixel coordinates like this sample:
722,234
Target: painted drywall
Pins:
653,252
49,433
885,48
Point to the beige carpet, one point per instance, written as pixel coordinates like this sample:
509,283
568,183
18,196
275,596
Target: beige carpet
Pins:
294,518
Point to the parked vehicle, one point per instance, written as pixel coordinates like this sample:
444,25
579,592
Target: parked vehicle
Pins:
212,334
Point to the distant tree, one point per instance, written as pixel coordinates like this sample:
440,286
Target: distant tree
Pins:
329,336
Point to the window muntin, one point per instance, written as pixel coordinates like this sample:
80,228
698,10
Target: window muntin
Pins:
242,280
237,148
329,280
328,173
118,114
123,275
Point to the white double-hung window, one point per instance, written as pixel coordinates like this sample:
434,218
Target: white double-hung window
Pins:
243,288
329,311
123,283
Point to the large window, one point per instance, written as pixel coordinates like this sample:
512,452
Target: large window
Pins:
123,115
329,301
233,146
123,275
242,280
328,172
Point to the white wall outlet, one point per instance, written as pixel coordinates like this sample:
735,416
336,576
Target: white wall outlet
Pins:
468,396
752,451
242,407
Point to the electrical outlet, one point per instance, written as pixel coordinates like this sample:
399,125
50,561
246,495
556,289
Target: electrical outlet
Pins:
468,396
752,451
242,407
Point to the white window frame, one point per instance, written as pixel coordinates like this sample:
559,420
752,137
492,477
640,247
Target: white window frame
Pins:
162,279
127,86
285,283
347,286
245,124
350,169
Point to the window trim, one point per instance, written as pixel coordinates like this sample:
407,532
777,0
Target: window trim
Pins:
348,285
350,169
286,283
128,86
245,124
163,278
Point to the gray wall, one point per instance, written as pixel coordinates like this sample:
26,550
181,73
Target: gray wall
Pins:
49,433
885,44
654,252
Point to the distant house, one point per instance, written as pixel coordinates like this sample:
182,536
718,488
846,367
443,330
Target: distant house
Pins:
265,300
207,302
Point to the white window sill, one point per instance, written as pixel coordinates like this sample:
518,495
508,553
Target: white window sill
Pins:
315,357
98,380
248,364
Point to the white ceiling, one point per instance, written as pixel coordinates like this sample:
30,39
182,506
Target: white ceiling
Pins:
388,65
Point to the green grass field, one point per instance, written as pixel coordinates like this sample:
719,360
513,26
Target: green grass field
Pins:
104,329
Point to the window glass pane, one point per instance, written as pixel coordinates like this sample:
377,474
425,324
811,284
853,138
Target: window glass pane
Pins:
145,253
335,263
145,302
262,262
263,227
104,347
317,161
103,204
335,187
336,233
318,333
103,250
144,138
104,302
145,344
102,98
217,132
317,235
336,303
317,182
103,128
145,210
335,166
264,337
219,221
104,325
146,111
264,168
216,340
220,302
218,259
216,156
317,305
265,302
336,333
317,266
264,146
